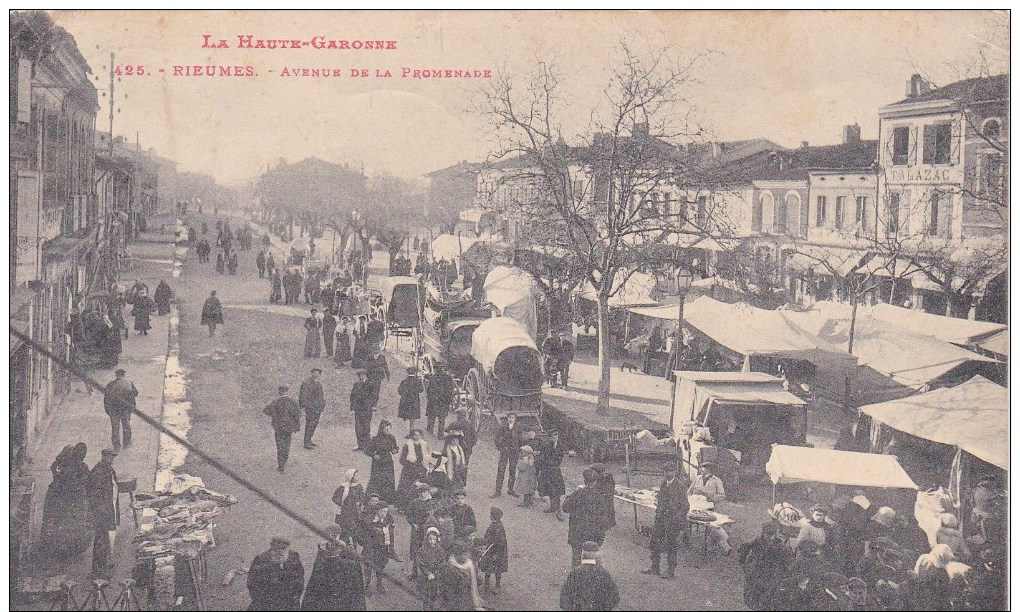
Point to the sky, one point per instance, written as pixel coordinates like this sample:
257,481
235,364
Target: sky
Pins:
787,76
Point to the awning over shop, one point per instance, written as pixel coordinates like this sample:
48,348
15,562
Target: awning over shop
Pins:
801,464
451,247
633,290
908,359
747,330
494,336
825,261
963,332
998,343
717,244
697,392
973,416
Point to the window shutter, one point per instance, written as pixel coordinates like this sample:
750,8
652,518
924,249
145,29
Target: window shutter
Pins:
929,144
24,91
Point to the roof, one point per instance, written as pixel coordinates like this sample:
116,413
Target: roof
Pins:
973,416
980,89
747,330
963,332
796,164
462,170
447,246
389,283
505,286
802,464
698,392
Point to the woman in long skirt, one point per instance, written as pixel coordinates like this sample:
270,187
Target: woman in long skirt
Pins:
414,455
141,311
162,298
382,478
313,345
342,351
349,498
68,523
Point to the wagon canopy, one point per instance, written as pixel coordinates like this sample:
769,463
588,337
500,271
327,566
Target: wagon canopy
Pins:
391,283
504,349
513,292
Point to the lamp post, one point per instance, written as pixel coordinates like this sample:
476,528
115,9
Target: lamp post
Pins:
684,278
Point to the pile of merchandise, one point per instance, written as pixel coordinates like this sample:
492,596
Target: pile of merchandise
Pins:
178,519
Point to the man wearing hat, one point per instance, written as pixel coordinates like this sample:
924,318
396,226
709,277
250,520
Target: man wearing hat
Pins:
550,474
765,560
286,420
361,405
276,578
671,508
119,403
508,443
589,586
312,400
587,515
102,494
410,390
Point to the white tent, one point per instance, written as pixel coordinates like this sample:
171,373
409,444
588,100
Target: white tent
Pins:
513,292
801,464
998,343
495,335
973,417
449,247
698,392
963,332
633,290
909,360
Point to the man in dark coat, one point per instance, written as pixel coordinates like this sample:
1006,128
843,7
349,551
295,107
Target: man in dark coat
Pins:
587,515
212,313
102,489
141,311
438,398
508,443
606,486
336,582
377,370
410,390
162,298
361,405
312,400
286,416
328,329
119,403
551,348
766,561
260,263
550,474
276,578
589,585
566,357
276,286
671,508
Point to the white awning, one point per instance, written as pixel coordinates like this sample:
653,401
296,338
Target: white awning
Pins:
950,329
633,290
801,464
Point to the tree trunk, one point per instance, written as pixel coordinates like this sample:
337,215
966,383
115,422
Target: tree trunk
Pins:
605,366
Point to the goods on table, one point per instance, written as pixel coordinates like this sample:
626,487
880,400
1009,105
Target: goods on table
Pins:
181,516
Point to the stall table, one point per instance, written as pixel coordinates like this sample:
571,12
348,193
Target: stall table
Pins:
646,499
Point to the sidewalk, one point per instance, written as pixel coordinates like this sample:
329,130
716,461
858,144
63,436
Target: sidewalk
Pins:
80,418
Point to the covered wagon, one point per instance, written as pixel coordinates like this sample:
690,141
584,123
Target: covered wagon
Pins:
507,374
400,306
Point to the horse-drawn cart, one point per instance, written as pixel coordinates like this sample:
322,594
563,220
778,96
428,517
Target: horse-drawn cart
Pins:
506,376
400,307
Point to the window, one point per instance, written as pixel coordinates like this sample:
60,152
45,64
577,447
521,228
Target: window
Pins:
779,220
821,212
892,214
702,211
937,143
991,129
840,211
861,216
901,146
992,177
938,215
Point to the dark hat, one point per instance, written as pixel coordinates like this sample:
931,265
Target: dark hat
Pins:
282,388
589,547
412,370
120,371
495,513
109,452
319,370
279,543
460,492
599,467
707,464
818,508
437,454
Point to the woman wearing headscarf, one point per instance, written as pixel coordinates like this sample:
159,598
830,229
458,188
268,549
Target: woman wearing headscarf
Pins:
382,448
527,481
414,455
162,298
438,478
336,582
68,523
428,559
348,498
342,350
933,589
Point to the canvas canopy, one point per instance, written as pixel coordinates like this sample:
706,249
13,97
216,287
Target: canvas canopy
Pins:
496,335
697,392
449,247
633,290
907,359
512,292
963,332
749,331
790,464
997,343
390,283
973,416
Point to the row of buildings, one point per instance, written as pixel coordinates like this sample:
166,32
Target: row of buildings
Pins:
77,196
917,218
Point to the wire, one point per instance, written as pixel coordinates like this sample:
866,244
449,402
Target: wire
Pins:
241,480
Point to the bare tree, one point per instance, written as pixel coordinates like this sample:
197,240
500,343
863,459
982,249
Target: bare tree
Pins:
604,198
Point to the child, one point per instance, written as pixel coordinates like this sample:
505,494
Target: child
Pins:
526,479
379,546
495,559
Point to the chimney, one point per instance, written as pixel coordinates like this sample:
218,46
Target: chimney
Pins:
917,86
804,144
851,134
640,130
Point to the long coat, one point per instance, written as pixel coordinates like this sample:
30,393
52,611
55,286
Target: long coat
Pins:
587,516
439,395
313,347
310,397
496,557
342,351
101,488
411,471
765,565
606,486
589,587
348,511
410,390
382,478
212,311
67,523
671,508
550,476
526,479
141,311
162,298
285,413
274,587
336,583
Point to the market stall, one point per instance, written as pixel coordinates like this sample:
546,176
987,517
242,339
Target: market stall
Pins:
790,464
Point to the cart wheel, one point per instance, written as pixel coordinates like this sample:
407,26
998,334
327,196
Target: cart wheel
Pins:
472,399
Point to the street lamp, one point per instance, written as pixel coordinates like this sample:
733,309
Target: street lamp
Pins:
684,278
